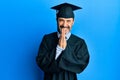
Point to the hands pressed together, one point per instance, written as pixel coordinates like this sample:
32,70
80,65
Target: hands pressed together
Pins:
62,40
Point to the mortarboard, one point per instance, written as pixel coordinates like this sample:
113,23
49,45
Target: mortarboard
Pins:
65,10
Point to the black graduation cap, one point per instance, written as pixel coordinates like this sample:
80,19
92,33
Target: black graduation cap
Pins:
65,10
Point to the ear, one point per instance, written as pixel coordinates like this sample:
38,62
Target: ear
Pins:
73,21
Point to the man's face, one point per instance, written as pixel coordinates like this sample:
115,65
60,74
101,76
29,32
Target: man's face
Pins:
65,23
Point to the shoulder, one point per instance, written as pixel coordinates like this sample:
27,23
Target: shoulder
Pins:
52,35
76,38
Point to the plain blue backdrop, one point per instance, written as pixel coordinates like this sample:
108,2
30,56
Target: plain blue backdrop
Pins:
24,22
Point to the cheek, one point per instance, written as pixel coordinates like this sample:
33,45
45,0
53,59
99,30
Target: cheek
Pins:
70,26
60,23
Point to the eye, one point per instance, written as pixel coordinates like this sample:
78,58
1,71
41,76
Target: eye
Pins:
68,21
60,20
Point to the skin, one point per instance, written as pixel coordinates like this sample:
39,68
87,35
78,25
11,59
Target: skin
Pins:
64,26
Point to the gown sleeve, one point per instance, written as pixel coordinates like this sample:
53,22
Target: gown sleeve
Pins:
46,57
75,58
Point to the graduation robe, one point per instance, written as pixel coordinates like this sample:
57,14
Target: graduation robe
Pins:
72,60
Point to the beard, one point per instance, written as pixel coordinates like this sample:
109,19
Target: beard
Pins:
61,27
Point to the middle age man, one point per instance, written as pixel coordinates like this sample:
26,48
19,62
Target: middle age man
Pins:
61,54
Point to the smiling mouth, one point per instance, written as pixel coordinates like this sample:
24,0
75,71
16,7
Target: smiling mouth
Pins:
64,27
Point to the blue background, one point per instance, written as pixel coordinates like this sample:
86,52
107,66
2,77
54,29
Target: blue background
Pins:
24,22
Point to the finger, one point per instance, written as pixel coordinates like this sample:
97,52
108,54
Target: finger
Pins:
63,32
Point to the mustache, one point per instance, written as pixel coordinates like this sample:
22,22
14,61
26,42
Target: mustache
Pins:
65,27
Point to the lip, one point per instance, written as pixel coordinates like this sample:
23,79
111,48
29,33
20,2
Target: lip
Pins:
64,27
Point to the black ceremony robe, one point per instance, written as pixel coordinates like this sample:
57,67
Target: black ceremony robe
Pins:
72,60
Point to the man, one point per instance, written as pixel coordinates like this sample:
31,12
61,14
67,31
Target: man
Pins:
61,54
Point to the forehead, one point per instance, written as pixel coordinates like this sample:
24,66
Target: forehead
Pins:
60,18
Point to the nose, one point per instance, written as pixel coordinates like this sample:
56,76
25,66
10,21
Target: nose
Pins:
65,24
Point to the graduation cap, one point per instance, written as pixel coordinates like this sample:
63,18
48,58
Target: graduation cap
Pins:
65,10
